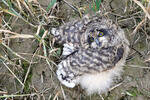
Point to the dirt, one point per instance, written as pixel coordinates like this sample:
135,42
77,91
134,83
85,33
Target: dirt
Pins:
42,78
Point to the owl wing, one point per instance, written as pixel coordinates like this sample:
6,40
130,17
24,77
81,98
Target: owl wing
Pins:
87,61
70,32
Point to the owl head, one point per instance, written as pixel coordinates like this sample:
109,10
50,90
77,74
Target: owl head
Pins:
98,37
103,32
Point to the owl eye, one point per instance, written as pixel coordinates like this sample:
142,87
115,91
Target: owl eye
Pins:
100,34
90,39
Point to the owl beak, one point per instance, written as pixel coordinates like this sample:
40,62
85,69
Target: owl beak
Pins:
97,42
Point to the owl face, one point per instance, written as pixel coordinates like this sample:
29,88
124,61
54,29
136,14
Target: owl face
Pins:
98,37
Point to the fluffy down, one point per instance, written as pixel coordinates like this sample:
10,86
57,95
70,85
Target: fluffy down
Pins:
92,83
99,83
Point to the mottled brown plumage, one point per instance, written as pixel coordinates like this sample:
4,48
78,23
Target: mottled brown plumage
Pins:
95,50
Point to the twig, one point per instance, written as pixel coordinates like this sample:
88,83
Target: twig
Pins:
63,93
16,35
137,27
136,50
115,86
3,92
15,53
143,8
8,31
10,62
137,66
22,95
71,6
45,54
43,57
23,36
55,97
101,97
147,60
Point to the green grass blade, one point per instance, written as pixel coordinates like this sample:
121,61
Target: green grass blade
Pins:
11,10
5,3
92,7
51,4
9,3
16,13
98,2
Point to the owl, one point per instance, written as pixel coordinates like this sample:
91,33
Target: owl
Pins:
94,52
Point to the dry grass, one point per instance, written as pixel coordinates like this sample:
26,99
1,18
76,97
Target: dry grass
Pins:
20,66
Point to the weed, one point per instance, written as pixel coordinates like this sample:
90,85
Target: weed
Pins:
96,5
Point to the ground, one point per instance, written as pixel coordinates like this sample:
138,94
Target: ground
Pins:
28,63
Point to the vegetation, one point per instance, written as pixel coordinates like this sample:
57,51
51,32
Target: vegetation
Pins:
28,55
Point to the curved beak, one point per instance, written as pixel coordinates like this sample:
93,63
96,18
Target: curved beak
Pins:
97,42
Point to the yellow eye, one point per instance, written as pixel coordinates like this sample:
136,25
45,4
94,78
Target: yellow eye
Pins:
100,34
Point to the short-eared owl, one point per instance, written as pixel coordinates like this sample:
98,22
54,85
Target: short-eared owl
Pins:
95,49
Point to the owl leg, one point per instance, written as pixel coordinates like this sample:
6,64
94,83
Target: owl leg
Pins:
64,76
68,49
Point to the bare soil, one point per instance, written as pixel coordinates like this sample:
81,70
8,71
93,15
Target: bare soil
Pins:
134,84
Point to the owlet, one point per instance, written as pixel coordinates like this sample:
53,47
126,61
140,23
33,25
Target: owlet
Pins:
94,52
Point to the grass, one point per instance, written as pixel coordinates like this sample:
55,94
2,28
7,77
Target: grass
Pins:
27,81
35,17
95,6
51,4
